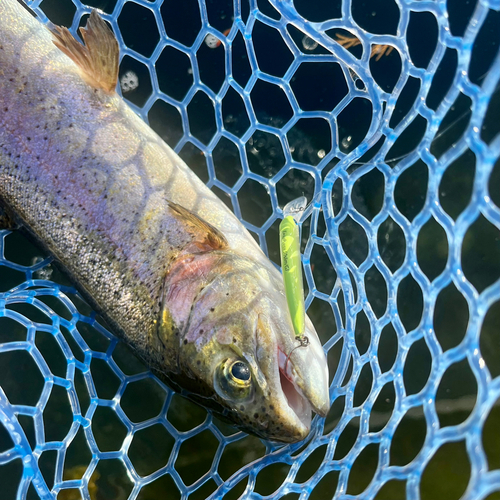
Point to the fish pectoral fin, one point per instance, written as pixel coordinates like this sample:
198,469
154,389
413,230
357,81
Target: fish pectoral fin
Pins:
98,57
213,237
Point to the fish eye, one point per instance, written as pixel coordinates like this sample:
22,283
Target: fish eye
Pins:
233,380
240,372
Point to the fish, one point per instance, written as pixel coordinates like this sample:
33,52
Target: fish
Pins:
166,264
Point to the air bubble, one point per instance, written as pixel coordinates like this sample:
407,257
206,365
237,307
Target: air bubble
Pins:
308,43
45,272
129,81
211,41
346,142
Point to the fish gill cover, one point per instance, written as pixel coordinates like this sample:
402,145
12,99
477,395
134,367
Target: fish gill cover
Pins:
383,115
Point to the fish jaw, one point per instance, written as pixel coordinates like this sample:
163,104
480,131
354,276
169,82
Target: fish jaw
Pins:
304,365
299,375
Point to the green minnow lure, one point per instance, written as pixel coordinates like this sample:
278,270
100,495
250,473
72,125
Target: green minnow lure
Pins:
291,264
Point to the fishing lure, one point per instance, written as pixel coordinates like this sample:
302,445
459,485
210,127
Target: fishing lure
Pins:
291,266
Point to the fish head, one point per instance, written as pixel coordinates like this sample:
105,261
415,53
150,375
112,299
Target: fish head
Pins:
238,347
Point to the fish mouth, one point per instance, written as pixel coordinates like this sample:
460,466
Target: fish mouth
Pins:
303,377
296,400
295,375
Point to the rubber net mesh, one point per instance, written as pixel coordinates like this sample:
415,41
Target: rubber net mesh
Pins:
397,151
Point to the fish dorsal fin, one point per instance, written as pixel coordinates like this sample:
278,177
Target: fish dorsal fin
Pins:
214,239
99,56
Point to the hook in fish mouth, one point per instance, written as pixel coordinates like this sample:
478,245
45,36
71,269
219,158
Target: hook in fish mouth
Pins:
294,396
304,376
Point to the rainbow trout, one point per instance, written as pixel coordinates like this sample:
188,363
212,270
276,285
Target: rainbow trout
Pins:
150,247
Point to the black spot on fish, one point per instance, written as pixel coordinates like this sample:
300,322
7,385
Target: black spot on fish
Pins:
255,415
185,341
242,408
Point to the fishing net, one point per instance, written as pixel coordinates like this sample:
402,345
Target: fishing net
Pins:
385,116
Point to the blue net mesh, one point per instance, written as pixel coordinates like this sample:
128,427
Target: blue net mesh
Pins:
385,115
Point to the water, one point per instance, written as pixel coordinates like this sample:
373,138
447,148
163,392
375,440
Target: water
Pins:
412,349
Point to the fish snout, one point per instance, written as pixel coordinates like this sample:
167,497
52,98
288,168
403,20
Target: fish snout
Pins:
297,377
304,372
